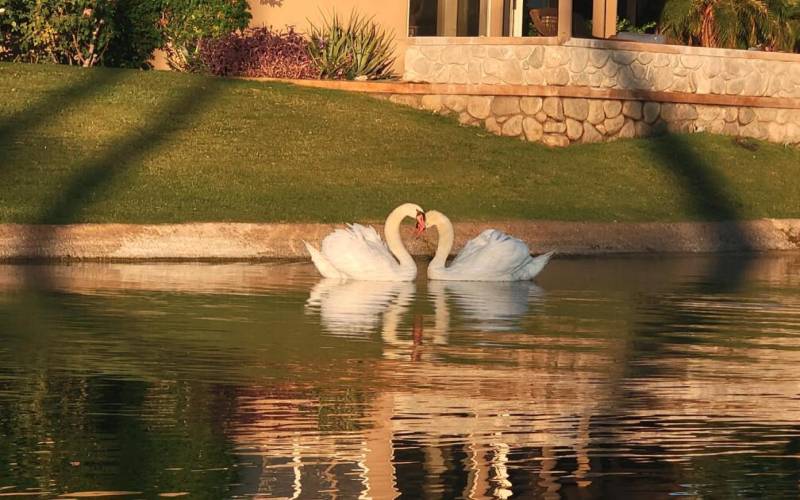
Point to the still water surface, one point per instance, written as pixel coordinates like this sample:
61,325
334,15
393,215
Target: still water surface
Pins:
609,378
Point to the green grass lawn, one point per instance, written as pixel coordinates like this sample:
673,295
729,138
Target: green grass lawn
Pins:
107,145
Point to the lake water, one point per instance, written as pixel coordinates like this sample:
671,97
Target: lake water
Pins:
610,378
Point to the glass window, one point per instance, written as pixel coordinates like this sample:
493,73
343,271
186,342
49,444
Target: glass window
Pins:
422,17
469,12
444,17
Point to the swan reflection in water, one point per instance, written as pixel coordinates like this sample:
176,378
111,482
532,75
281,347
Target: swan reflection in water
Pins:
486,306
358,309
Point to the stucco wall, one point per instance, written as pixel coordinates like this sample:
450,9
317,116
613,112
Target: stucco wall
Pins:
390,14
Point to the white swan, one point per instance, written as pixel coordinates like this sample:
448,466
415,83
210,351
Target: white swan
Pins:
491,256
358,252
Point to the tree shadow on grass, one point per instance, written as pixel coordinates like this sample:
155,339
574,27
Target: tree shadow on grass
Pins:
96,174
33,116
704,188
723,274
123,155
664,321
92,177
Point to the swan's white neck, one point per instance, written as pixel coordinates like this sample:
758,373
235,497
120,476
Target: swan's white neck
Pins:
446,237
391,231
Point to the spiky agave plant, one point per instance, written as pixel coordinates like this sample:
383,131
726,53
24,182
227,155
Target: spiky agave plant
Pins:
370,48
739,24
358,49
328,47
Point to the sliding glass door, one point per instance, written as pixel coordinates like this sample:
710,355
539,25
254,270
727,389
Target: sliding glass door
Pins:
468,19
446,17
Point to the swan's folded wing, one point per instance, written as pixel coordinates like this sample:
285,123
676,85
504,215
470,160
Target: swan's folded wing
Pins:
358,252
367,232
492,255
474,246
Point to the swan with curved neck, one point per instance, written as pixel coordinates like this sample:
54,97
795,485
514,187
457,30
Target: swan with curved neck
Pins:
358,252
491,256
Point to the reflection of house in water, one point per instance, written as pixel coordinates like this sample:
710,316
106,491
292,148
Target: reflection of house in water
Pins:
613,406
427,429
420,429
618,383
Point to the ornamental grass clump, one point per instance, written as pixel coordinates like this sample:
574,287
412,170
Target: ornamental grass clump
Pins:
360,49
259,52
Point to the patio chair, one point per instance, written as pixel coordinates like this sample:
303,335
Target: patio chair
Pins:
545,21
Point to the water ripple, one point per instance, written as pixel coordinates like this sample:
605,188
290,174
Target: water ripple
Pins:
609,378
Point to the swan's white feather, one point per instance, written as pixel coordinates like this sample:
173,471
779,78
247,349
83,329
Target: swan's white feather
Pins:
322,264
494,256
359,253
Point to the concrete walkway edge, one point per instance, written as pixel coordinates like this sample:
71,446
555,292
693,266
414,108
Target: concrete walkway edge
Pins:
244,241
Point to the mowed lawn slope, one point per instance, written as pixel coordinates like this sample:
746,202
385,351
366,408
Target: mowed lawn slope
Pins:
107,145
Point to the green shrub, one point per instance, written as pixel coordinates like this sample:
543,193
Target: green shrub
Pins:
59,31
138,33
114,32
626,25
8,33
360,49
185,23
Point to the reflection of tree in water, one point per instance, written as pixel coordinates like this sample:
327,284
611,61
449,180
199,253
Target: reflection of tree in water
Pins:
342,411
99,433
673,327
107,383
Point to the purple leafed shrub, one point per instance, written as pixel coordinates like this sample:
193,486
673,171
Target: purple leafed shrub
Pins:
259,52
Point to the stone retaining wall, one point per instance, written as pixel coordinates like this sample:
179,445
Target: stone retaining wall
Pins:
560,121
597,64
666,88
240,241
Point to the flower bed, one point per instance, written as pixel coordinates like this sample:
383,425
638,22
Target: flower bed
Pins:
259,52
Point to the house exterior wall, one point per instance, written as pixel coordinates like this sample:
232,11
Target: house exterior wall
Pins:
392,15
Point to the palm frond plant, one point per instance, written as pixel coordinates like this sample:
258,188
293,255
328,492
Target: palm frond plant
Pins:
734,24
794,23
359,49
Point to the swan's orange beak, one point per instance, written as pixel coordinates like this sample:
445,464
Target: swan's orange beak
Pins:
420,227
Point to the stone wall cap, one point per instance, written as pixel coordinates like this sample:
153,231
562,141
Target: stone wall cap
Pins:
487,89
604,44
682,49
482,40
